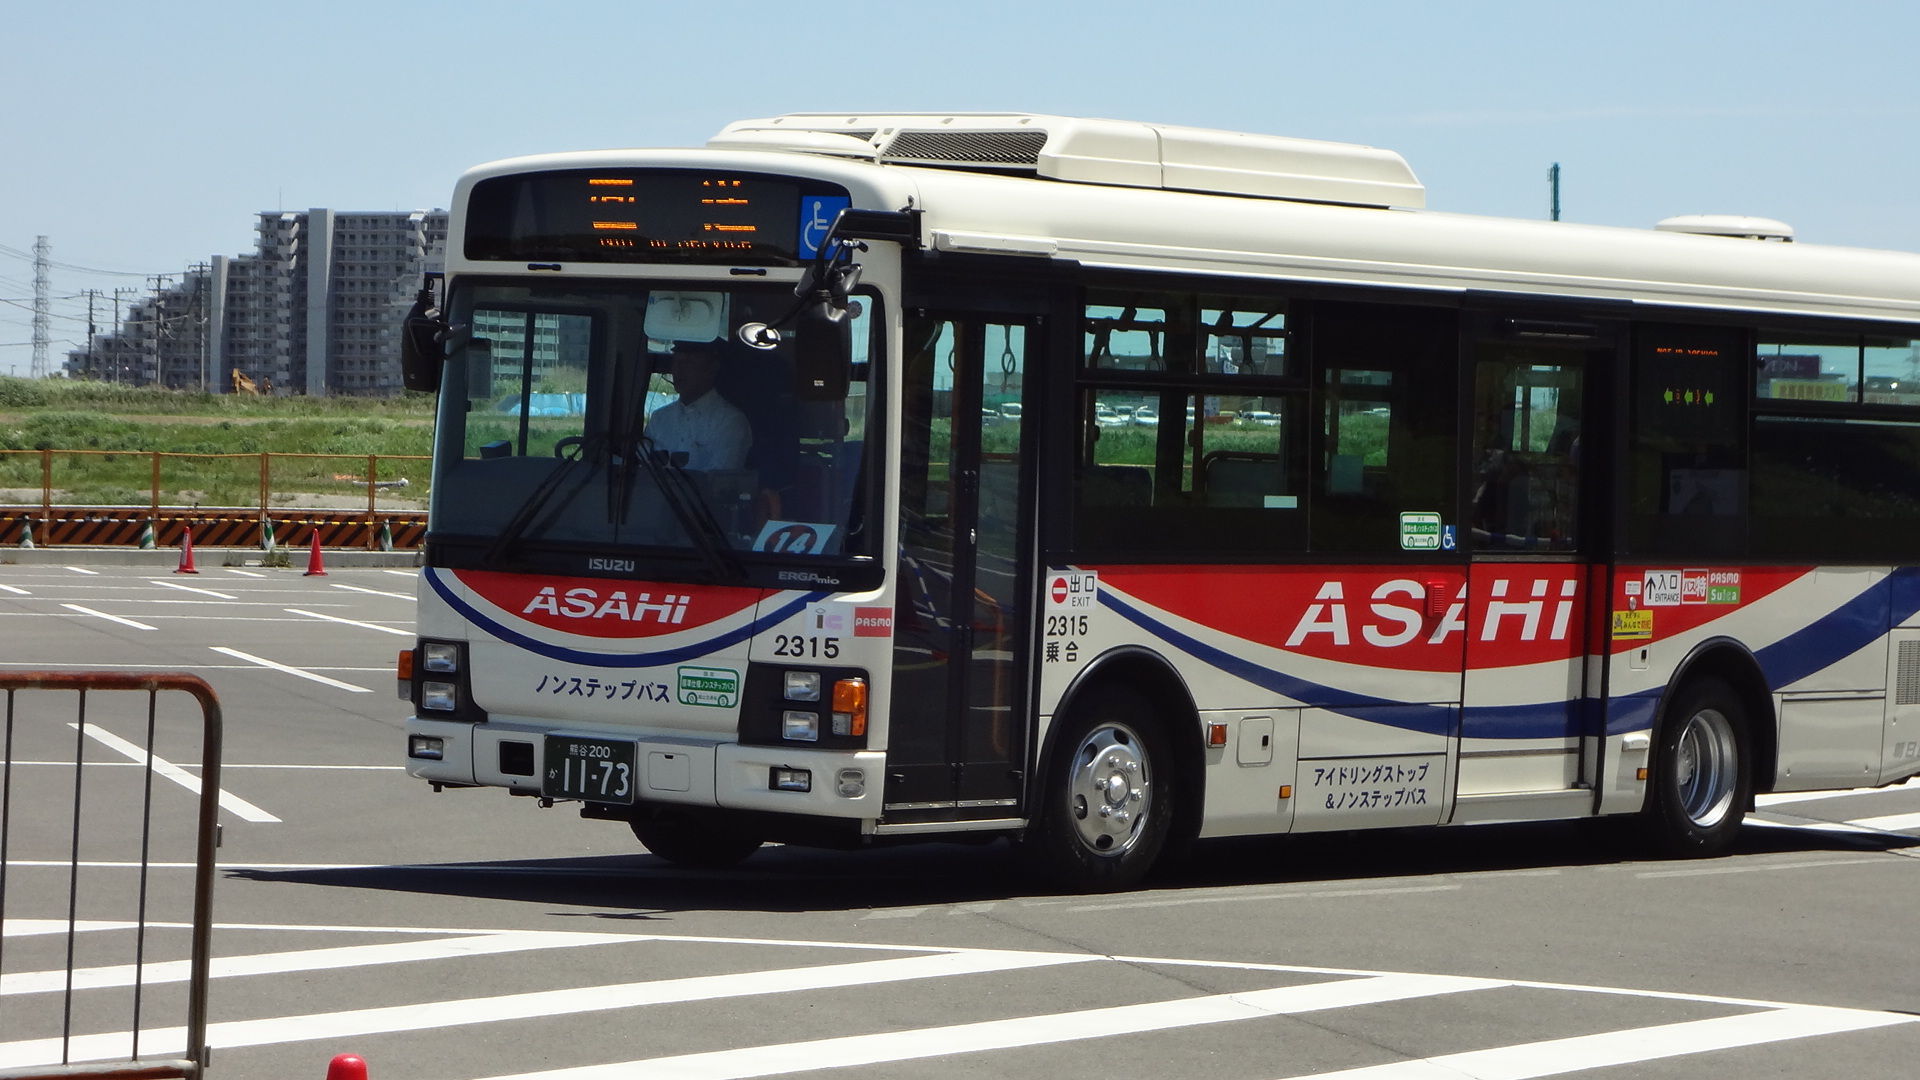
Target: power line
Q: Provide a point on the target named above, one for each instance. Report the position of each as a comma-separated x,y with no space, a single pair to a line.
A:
29,257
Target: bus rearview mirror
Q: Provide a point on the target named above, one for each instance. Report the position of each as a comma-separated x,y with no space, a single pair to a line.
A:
420,353
823,352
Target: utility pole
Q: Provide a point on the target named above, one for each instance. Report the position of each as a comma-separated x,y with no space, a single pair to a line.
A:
202,290
159,320
118,356
92,331
42,305
1553,181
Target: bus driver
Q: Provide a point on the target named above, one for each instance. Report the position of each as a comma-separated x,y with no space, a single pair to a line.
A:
701,429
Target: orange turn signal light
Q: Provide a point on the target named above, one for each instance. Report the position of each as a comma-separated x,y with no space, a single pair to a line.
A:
850,701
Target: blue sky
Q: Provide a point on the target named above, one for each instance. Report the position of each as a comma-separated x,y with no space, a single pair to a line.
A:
141,138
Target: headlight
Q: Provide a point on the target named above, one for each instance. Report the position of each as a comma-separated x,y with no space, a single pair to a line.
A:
440,656
439,696
800,726
803,686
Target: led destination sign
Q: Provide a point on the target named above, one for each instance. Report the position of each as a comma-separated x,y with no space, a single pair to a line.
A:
639,216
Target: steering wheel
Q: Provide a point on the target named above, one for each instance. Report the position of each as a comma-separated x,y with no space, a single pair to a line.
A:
569,448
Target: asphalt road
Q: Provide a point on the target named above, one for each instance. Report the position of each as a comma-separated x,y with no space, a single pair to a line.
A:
472,935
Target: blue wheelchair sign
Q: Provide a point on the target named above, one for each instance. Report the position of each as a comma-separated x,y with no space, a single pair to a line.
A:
817,213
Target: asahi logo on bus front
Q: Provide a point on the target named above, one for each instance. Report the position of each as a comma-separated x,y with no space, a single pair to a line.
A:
587,603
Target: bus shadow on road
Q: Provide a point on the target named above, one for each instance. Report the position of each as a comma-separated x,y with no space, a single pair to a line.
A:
794,879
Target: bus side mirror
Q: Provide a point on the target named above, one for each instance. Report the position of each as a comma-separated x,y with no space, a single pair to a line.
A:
823,352
421,354
423,341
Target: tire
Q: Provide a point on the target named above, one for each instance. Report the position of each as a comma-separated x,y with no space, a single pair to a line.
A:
1700,780
689,840
1108,799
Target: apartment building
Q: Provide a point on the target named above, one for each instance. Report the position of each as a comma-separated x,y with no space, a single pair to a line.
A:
315,309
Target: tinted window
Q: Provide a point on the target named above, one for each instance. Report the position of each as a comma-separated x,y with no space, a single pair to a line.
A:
1687,484
1828,488
1385,439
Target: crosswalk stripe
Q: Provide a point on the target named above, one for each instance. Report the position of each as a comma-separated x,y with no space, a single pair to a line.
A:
447,1014
895,1046
1583,1052
397,952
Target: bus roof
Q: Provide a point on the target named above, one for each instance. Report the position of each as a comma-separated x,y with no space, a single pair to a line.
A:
1113,194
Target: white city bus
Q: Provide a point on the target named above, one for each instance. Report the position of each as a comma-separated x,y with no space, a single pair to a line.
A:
1107,485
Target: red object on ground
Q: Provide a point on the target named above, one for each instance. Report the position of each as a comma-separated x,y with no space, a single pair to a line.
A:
315,568
186,553
347,1067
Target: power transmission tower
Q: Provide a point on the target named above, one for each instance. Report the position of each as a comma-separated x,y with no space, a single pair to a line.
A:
42,305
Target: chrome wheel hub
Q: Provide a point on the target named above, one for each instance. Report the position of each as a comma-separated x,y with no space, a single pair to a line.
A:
1110,789
1706,768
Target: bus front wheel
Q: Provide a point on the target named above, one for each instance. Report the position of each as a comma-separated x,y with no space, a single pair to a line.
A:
687,840
1108,800
1701,779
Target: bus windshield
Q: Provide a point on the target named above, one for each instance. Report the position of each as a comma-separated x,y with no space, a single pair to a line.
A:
605,415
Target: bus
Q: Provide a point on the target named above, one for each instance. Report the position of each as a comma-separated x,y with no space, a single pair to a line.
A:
1104,486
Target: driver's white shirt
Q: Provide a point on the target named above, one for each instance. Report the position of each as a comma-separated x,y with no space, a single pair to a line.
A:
710,431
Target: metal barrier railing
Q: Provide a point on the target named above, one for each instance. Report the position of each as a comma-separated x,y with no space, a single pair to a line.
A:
41,1042
158,478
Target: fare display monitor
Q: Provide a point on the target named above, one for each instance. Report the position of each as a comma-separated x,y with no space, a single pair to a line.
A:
648,216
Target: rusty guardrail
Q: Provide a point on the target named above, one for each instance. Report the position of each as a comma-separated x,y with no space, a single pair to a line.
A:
32,742
94,497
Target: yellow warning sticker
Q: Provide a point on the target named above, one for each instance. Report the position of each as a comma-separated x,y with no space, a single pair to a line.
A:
1633,625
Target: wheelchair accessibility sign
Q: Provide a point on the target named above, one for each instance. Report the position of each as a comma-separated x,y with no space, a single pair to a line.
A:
816,218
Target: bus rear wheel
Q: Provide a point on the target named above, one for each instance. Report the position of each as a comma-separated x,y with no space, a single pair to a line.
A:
1701,778
1108,800
690,840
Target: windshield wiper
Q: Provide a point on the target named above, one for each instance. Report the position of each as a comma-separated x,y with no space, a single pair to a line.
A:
593,451
696,518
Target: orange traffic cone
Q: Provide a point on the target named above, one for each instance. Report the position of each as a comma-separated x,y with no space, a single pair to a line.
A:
315,568
186,553
347,1067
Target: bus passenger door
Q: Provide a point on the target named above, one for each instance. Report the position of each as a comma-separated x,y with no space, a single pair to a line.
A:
1527,700
957,736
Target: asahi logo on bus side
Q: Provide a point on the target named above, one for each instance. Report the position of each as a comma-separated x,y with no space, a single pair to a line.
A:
586,603
1385,623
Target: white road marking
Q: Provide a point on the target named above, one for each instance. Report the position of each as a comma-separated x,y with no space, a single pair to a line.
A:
84,570
895,1046
265,663
110,618
43,927
1760,867
191,589
345,956
1764,801
505,1007
228,801
1265,895
243,573
1585,1052
1890,823
374,592
403,573
349,622
14,591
